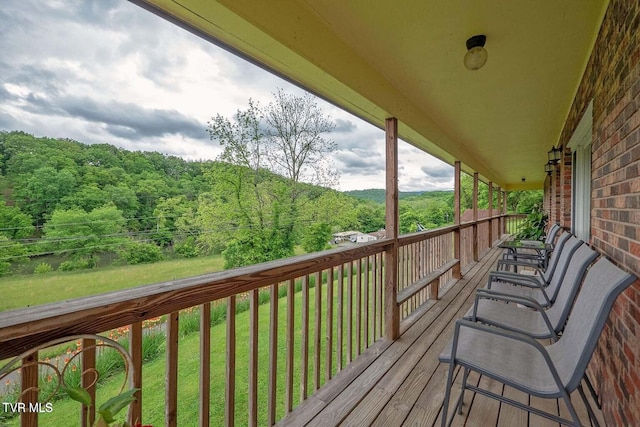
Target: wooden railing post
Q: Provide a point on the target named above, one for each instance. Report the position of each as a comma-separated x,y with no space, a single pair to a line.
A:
457,274
490,243
392,312
504,211
29,389
475,217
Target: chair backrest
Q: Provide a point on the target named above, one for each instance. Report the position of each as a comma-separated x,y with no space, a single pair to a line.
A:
553,232
567,245
555,255
571,354
578,264
564,259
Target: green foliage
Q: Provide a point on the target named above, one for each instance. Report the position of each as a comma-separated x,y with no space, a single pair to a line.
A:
77,263
43,268
11,251
316,237
140,253
14,224
533,226
186,248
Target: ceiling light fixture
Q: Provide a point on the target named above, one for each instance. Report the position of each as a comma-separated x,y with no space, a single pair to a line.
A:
476,55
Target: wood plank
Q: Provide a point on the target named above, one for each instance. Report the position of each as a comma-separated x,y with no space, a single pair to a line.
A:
350,337
88,380
367,410
171,379
288,397
340,318
254,309
205,364
392,314
230,380
29,389
425,281
304,350
510,415
485,411
135,349
366,303
317,332
328,356
273,355
358,307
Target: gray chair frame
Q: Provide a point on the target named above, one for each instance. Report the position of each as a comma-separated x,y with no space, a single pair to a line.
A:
534,257
537,321
544,287
521,362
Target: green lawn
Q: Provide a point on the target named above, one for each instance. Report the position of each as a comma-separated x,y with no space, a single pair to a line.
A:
28,290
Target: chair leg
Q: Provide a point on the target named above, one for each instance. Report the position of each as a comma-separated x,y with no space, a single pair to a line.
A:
447,394
592,390
592,415
571,409
465,376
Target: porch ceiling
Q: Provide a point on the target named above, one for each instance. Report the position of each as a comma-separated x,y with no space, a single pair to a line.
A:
378,60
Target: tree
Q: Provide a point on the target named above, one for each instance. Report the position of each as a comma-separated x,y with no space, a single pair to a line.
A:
39,192
82,233
14,223
295,130
316,237
286,139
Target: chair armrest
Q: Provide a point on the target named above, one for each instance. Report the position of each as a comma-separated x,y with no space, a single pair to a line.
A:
518,263
514,278
517,299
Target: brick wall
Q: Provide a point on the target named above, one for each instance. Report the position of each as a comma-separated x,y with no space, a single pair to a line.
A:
612,80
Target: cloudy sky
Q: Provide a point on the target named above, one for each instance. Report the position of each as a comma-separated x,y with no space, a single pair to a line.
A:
107,71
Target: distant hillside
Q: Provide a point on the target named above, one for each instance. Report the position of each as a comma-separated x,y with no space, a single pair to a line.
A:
377,195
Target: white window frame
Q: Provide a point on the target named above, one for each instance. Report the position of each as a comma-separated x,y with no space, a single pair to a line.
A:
580,145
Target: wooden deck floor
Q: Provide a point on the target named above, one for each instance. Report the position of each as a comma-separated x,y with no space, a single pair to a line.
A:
401,383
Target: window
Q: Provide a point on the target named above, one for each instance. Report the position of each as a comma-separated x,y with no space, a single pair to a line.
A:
580,145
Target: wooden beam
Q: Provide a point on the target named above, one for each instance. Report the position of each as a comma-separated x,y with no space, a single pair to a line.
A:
392,313
475,217
171,378
490,214
456,271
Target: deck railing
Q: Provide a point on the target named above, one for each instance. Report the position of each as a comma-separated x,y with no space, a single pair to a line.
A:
291,325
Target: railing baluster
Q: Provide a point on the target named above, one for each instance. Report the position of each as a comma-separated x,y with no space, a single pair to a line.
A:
88,414
317,332
328,358
29,389
135,346
340,317
230,382
381,274
359,308
374,303
366,302
253,357
273,356
304,374
350,313
171,379
288,405
205,363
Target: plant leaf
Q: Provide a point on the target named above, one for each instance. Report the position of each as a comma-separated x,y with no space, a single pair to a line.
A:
114,405
79,394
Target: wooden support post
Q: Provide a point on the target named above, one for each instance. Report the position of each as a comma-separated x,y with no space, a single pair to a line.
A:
392,313
29,389
135,349
475,217
505,195
457,274
171,378
88,413
491,237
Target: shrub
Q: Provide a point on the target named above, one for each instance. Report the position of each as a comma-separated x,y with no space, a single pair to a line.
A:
187,248
141,253
77,264
42,268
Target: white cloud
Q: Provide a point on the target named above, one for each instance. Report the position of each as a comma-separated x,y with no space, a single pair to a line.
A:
110,72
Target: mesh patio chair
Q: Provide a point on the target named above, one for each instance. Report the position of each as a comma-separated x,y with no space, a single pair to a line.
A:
542,288
535,320
519,361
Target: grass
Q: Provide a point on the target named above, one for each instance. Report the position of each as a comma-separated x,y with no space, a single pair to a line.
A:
29,290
